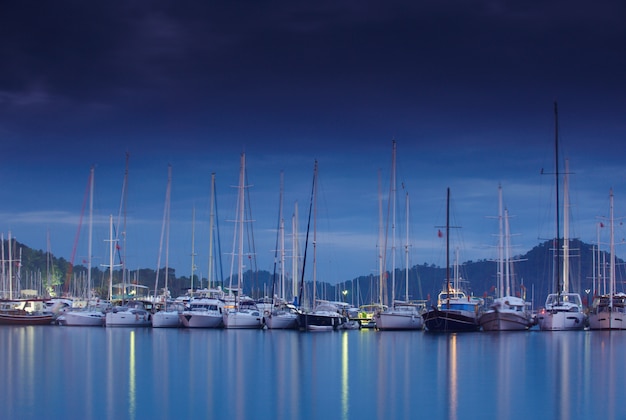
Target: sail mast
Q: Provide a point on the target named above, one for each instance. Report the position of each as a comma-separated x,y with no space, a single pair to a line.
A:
393,224
193,250
612,261
294,276
406,252
381,250
314,233
448,247
211,228
566,228
89,245
556,179
167,229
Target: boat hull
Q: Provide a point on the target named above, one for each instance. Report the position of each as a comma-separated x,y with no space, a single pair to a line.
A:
198,319
319,321
166,319
560,320
437,320
243,319
505,321
284,321
27,319
128,319
82,319
398,321
607,321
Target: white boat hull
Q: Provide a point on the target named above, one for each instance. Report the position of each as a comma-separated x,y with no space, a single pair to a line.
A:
243,319
200,319
82,319
166,319
281,321
399,321
607,321
128,319
560,320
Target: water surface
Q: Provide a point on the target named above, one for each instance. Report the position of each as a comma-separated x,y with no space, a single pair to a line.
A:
125,373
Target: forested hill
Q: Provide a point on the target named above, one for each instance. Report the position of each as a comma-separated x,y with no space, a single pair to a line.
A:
532,273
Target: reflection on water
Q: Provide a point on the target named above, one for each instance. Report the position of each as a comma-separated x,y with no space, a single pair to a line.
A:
453,390
131,377
100,373
345,389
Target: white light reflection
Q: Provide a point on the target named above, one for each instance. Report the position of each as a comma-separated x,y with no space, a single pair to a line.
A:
132,402
345,390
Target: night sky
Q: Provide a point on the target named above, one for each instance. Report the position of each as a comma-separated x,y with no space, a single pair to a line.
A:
466,88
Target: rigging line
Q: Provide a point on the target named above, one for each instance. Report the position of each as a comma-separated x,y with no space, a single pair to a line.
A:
80,223
306,241
280,211
219,243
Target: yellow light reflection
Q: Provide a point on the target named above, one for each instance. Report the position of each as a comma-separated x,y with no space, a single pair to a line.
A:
453,391
345,402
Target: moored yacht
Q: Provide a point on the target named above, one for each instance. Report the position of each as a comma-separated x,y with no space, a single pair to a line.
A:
507,313
562,311
608,311
133,314
401,316
455,311
202,313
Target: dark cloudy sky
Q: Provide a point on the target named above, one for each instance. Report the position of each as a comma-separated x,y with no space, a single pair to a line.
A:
465,87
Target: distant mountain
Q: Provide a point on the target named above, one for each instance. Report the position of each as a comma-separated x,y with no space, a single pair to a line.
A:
39,270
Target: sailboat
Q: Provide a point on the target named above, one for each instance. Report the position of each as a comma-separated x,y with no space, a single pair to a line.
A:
563,309
455,311
366,314
608,311
205,308
90,315
134,313
508,312
325,315
242,311
402,315
167,315
281,315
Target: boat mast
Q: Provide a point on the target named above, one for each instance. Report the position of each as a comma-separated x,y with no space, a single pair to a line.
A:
111,240
448,247
507,253
282,239
406,252
556,179
193,246
393,224
381,250
211,227
500,245
165,212
612,261
89,245
306,241
566,228
240,222
294,276
314,234
167,228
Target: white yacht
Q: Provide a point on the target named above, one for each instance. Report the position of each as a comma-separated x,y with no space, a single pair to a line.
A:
133,314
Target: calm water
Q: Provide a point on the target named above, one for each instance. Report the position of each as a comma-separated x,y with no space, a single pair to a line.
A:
118,373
